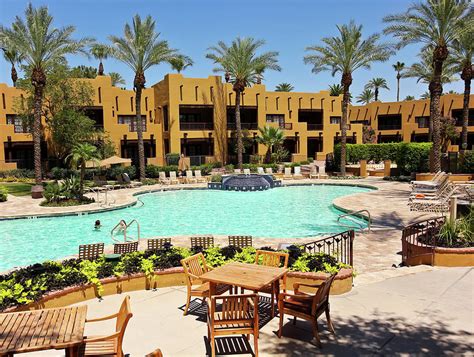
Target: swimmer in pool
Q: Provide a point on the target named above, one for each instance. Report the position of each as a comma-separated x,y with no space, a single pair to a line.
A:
97,225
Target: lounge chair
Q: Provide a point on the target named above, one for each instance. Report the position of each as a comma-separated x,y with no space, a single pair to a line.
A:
437,204
101,181
158,243
121,183
109,345
173,178
322,172
287,174
237,171
128,181
260,170
199,177
269,170
240,241
202,241
124,248
163,179
91,251
438,178
307,306
297,174
431,186
232,315
194,267
246,171
189,177
313,172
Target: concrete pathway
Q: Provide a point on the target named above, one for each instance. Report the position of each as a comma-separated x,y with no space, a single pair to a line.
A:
428,313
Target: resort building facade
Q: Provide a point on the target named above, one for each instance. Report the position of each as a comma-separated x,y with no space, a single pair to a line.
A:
195,117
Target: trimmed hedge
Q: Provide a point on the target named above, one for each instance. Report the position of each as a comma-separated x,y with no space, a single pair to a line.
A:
409,157
18,173
466,162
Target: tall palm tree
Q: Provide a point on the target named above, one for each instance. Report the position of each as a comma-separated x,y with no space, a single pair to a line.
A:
462,55
140,49
14,57
435,23
180,63
376,84
366,96
116,79
346,53
80,154
425,95
398,67
409,97
260,74
242,65
284,87
335,90
271,137
41,46
100,52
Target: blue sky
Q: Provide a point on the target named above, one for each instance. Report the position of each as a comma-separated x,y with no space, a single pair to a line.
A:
287,26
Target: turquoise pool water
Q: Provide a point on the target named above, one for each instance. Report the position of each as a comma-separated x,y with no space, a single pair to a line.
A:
298,211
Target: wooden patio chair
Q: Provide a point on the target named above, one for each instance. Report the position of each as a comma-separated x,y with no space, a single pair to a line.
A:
195,266
155,353
124,248
190,177
91,251
232,315
202,241
158,243
240,241
306,306
109,345
272,259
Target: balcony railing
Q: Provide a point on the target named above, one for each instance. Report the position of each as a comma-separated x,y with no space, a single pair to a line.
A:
248,126
315,126
390,127
196,126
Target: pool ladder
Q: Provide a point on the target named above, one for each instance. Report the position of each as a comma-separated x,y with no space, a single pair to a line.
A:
106,201
124,230
350,216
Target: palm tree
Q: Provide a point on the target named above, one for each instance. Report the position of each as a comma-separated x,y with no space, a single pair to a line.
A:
462,55
435,23
14,57
116,79
242,65
376,84
409,97
260,74
425,96
335,90
80,154
271,137
100,52
345,54
140,49
180,63
398,67
284,87
366,96
41,46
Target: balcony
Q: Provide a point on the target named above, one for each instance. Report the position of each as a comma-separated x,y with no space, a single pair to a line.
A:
248,126
315,126
394,126
196,126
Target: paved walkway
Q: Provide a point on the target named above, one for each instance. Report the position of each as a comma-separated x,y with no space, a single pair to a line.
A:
424,314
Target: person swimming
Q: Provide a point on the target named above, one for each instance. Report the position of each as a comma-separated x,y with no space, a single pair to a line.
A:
97,225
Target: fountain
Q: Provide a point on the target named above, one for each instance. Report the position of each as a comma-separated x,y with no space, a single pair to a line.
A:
242,182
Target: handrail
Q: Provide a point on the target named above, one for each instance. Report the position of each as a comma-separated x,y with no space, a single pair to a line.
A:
340,246
120,225
352,213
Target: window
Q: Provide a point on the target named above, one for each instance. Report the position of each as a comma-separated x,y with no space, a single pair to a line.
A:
131,121
423,122
335,120
21,126
165,118
390,122
277,119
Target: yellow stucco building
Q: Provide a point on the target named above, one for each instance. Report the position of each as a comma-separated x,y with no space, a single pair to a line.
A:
195,117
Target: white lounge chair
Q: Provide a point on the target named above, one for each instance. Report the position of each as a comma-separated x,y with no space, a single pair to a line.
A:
436,205
189,177
313,172
246,171
287,174
438,178
237,171
269,170
173,178
260,170
163,179
297,174
199,177
322,172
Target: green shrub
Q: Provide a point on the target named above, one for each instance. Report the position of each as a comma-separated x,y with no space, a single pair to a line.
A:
59,173
216,178
172,158
466,162
114,171
152,171
3,194
17,173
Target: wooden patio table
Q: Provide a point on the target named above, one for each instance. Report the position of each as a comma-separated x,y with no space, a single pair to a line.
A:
248,276
37,330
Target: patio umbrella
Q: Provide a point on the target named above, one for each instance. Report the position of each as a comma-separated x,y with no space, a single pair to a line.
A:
113,160
182,164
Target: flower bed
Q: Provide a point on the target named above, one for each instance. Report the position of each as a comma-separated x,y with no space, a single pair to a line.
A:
62,283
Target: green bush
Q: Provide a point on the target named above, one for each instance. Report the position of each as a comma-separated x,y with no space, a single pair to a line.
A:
114,171
152,171
3,194
172,158
216,178
60,173
466,162
18,173
409,157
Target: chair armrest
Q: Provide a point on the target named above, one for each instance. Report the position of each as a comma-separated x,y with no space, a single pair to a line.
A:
282,296
297,285
101,338
102,318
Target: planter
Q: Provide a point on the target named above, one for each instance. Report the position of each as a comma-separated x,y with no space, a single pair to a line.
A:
440,256
165,278
37,191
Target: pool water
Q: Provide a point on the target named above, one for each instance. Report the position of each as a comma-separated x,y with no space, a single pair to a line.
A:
298,211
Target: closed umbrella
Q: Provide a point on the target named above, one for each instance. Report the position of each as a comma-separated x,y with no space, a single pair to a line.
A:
182,164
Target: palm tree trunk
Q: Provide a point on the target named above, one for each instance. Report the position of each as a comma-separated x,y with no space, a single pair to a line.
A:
268,155
101,69
376,94
430,124
346,82
81,182
238,127
466,76
398,87
139,84
38,80
14,75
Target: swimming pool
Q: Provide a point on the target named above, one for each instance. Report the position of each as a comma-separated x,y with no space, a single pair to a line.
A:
295,211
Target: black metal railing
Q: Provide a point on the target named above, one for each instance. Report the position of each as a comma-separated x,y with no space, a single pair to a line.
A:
390,127
197,126
248,126
339,246
315,126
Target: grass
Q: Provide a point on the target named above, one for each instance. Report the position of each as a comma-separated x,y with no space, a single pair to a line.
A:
17,188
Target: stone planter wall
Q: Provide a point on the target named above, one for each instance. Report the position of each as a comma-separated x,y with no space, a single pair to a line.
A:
165,278
445,257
